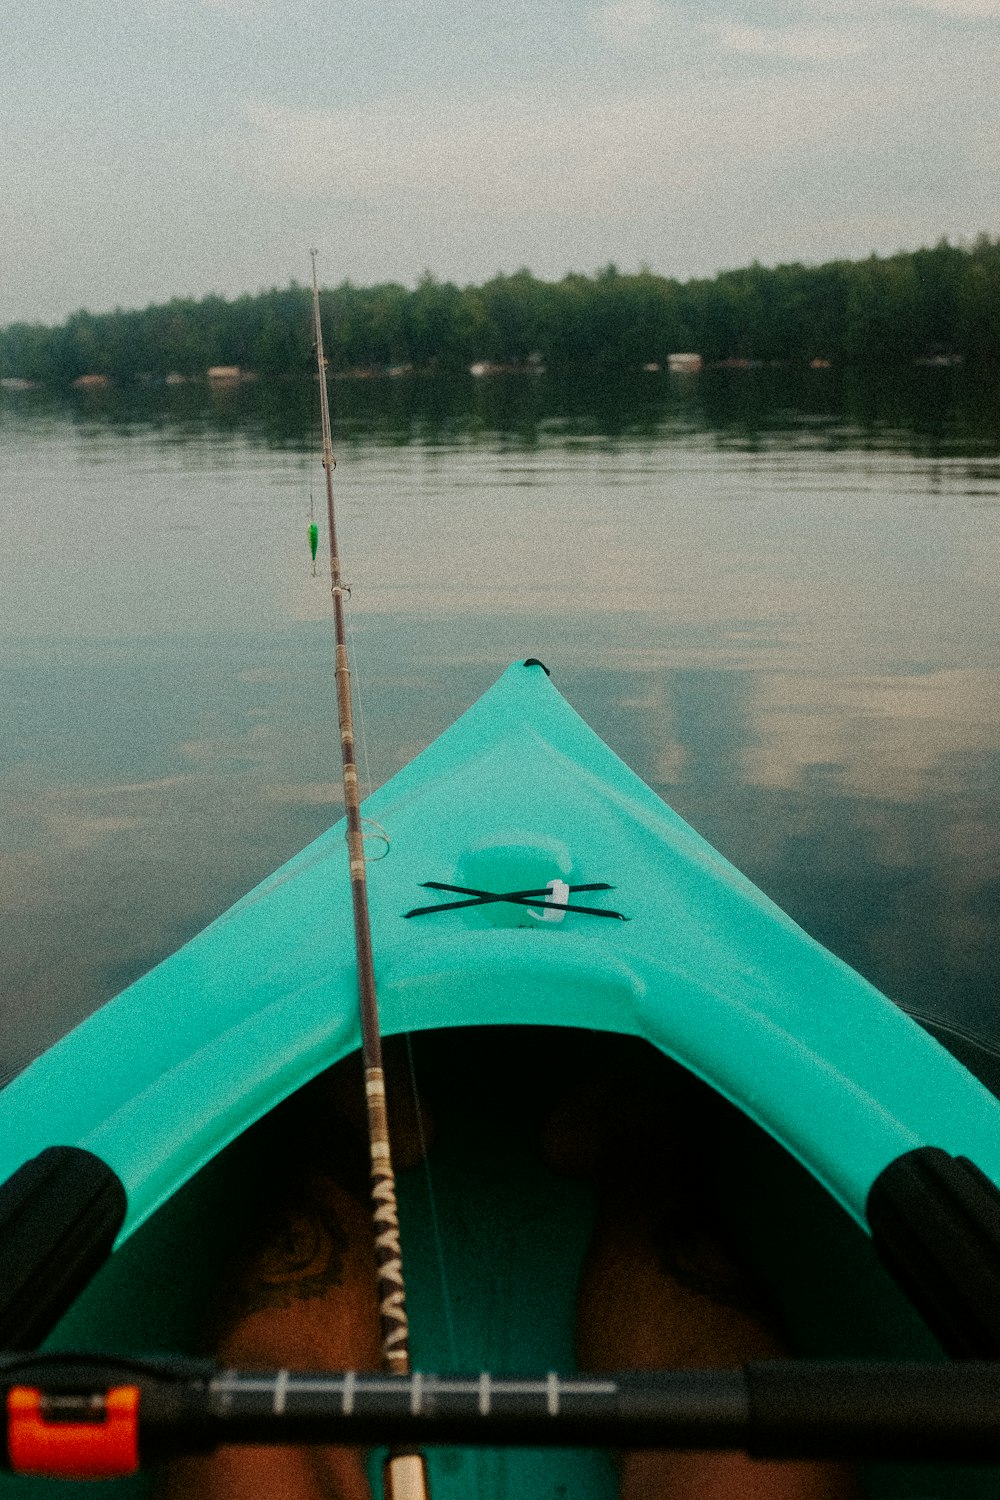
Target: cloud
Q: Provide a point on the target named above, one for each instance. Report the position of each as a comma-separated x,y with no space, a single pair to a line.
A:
630,21
649,30
963,10
243,10
794,43
525,154
535,158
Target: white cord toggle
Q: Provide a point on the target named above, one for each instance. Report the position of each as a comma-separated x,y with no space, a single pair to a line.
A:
554,902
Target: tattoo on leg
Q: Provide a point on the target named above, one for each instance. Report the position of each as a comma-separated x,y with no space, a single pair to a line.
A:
304,1260
694,1260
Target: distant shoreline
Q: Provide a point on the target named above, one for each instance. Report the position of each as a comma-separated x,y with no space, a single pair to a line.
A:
938,306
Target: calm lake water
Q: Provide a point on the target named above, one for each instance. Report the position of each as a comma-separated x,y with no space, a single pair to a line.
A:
775,597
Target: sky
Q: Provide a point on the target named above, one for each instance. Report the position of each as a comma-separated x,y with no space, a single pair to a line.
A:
160,148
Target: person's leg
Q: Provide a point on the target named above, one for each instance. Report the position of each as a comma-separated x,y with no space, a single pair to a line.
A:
302,1293
662,1290
304,1299
663,1300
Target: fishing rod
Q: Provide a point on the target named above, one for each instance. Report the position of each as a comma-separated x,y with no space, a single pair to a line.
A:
405,1472
92,1416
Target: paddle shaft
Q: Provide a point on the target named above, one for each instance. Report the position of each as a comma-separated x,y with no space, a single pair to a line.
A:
80,1415
774,1409
388,1254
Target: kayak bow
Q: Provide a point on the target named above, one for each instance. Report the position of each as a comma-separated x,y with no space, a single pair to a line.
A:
519,795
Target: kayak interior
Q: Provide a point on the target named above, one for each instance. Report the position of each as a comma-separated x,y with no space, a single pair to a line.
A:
495,1240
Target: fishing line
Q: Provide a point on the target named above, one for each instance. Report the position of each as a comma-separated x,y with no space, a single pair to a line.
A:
359,697
446,1299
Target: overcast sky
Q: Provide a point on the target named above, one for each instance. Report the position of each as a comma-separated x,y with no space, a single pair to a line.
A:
153,148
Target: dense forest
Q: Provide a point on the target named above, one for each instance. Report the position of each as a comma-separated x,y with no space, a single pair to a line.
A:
934,304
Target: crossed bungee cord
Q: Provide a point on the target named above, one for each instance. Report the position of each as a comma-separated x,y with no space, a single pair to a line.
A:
533,898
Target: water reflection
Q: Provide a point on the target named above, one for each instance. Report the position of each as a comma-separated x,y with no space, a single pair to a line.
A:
773,596
925,411
898,876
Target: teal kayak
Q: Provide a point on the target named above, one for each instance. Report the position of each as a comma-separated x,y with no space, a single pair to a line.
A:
522,877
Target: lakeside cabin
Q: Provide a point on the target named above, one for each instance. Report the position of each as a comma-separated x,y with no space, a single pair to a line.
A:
684,364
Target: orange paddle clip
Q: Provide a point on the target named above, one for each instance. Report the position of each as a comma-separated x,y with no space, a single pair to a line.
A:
37,1443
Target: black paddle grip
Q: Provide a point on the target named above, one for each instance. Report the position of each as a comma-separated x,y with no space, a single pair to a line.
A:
935,1222
918,1412
59,1216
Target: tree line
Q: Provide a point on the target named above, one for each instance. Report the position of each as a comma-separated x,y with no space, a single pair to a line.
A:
937,303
